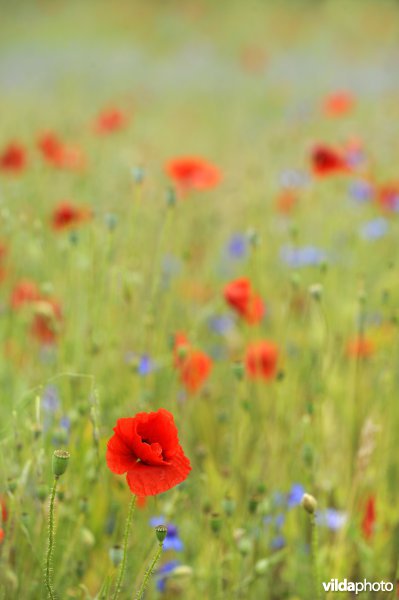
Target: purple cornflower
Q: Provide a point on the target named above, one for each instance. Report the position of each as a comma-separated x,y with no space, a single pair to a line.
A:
375,229
221,323
50,399
164,572
361,191
295,495
237,246
331,518
172,540
302,257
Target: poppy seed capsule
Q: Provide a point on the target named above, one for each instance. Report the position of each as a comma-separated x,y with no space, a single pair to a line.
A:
160,532
216,522
60,462
309,503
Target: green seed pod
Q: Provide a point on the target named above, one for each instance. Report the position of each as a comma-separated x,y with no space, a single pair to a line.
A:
262,566
160,532
116,555
60,462
216,522
245,546
309,503
229,505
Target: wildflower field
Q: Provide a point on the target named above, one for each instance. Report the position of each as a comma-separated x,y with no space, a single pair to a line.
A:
199,300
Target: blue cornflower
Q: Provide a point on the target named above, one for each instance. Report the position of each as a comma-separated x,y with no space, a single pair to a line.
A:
50,399
146,365
278,542
172,540
361,191
331,518
237,246
375,229
221,323
294,179
295,495
302,257
164,572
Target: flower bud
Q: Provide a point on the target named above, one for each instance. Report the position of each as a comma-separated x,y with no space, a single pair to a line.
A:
262,566
116,555
161,532
60,462
309,503
216,522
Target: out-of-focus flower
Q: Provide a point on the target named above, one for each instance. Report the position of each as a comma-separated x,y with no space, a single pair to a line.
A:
164,572
47,320
361,191
13,158
172,540
261,360
67,216
59,154
388,196
242,298
360,347
326,160
237,246
221,324
194,366
369,518
375,229
331,518
338,104
24,292
193,173
295,495
302,257
286,201
50,399
110,120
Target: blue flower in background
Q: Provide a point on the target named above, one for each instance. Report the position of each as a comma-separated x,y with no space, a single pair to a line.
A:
294,179
361,191
302,257
172,540
50,399
237,246
373,230
295,495
164,572
278,542
331,518
221,323
146,365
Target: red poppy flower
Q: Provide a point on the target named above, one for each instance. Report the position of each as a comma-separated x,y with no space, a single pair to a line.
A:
261,360
110,120
241,297
194,366
328,161
24,292
286,202
47,321
58,154
68,216
193,173
4,513
369,518
146,447
360,347
388,196
13,158
338,104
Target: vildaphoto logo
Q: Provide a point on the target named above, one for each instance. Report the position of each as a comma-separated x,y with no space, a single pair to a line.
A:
334,585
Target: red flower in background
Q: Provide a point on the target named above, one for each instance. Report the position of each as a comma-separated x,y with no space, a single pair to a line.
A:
4,517
58,154
68,216
193,173
388,196
360,347
110,120
242,298
326,160
13,158
338,104
25,292
286,201
261,360
146,447
47,321
194,366
369,518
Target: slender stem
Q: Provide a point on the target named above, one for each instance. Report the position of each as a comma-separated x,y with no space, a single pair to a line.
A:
50,547
315,561
122,568
149,572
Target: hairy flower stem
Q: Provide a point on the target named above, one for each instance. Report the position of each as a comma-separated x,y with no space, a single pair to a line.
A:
315,561
149,572
122,567
50,546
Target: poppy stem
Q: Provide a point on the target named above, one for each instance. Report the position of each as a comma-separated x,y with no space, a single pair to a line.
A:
149,572
122,568
315,561
50,547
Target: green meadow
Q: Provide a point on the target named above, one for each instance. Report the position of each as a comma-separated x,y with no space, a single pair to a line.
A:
243,86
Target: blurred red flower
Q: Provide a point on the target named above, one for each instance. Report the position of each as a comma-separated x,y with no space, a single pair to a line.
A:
3,519
369,518
58,154
242,298
193,173
388,196
261,360
286,201
110,120
146,447
194,366
326,160
360,347
24,292
13,158
67,216
338,104
47,320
